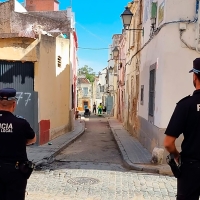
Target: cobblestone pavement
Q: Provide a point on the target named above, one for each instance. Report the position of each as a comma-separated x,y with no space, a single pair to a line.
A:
93,170
81,184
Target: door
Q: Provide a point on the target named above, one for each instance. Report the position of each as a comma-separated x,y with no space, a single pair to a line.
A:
20,76
109,104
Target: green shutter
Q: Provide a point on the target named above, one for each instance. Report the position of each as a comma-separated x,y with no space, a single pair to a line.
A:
154,10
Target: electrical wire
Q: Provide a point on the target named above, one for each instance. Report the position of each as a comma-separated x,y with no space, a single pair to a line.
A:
87,48
156,32
184,42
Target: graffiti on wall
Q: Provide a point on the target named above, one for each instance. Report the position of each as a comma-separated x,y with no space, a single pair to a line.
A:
23,95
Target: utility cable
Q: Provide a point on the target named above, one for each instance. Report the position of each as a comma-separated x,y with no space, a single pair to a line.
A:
156,32
184,42
87,48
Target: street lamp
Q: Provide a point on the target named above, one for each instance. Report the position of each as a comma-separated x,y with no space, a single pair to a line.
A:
126,19
108,89
110,70
115,52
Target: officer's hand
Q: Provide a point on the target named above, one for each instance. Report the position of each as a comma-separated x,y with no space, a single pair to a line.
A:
177,158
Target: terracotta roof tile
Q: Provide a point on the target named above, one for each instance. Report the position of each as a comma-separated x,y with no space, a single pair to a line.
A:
83,80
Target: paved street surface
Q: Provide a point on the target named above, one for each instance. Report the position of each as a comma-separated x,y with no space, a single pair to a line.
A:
91,168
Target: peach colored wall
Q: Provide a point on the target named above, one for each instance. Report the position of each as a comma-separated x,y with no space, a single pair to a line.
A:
52,84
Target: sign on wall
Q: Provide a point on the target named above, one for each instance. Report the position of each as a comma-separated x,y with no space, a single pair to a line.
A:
161,12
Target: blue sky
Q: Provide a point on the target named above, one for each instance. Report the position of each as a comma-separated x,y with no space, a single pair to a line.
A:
96,22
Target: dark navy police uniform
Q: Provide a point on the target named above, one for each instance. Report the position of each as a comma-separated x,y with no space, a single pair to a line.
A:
14,132
186,120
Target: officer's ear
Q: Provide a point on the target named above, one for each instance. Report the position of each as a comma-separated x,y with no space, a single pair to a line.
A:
194,77
14,105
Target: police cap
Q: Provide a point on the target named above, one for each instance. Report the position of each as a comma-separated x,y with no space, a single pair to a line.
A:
7,94
196,66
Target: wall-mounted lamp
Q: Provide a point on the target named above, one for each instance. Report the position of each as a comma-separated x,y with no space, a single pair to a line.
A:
126,19
115,52
110,70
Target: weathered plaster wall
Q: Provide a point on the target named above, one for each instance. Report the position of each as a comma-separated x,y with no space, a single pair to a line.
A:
26,22
5,9
23,49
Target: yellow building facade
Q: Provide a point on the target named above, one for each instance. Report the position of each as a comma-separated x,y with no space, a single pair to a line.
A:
50,57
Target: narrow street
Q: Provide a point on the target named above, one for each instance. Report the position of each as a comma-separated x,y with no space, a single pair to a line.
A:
91,168
96,149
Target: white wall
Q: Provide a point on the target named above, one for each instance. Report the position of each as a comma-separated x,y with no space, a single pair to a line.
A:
102,79
19,7
174,60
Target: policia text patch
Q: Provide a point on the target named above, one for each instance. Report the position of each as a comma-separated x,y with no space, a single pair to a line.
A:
6,128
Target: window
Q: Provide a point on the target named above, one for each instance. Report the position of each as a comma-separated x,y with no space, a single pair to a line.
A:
85,91
142,95
152,90
102,88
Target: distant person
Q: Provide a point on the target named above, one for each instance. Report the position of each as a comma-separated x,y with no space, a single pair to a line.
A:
104,109
100,108
94,108
76,113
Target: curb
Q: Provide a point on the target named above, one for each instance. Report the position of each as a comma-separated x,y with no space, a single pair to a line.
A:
50,158
125,158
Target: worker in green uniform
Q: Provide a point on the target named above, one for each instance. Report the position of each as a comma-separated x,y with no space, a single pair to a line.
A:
100,108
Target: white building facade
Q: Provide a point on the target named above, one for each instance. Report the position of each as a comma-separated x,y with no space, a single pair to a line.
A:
170,46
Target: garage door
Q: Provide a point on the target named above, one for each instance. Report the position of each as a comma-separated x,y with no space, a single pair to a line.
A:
20,76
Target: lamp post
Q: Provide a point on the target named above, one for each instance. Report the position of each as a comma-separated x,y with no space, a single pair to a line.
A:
115,52
108,91
110,70
126,19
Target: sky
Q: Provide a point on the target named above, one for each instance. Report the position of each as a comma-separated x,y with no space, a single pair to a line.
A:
96,22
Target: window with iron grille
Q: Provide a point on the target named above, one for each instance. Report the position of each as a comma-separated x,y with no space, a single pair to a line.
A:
152,92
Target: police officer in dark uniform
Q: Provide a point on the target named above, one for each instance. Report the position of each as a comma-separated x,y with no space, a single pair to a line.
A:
15,134
186,120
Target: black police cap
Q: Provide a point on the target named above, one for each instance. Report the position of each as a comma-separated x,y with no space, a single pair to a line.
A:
7,94
196,66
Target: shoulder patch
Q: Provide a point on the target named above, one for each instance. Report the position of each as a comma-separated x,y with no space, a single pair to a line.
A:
20,117
187,97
